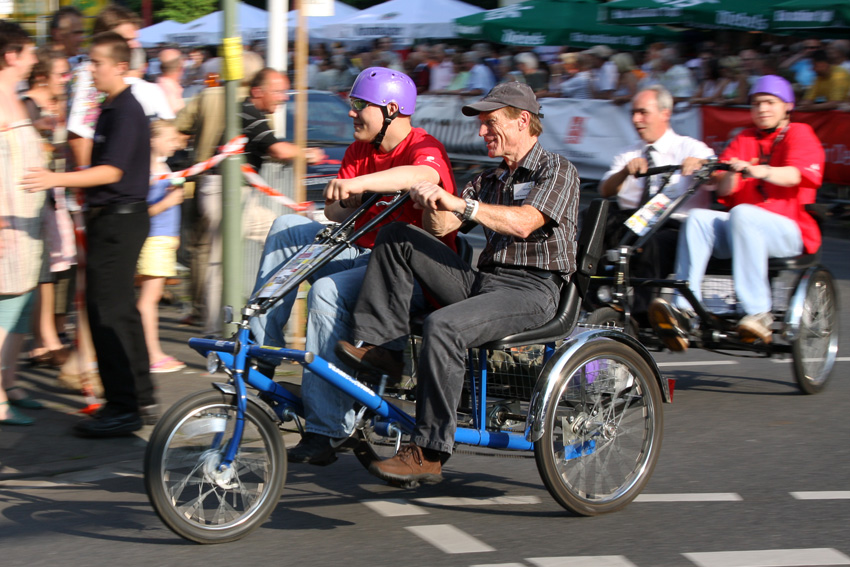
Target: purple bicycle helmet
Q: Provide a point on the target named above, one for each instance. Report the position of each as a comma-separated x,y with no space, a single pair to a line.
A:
773,85
382,86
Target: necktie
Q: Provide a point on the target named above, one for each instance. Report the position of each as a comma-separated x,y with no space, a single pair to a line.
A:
647,183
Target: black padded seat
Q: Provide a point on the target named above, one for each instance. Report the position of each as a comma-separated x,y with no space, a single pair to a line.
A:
589,251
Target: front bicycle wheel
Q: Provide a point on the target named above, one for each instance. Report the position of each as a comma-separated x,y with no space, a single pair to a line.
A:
816,347
603,429
188,489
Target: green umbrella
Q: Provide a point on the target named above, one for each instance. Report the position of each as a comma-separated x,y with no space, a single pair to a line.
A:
812,15
553,22
752,15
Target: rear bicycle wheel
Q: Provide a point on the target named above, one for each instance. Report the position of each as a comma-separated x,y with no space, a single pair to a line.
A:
816,347
603,429
185,485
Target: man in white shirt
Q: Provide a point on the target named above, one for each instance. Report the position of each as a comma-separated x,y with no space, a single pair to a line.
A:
659,145
481,78
150,95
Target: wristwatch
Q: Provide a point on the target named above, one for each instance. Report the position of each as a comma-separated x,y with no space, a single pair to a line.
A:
469,211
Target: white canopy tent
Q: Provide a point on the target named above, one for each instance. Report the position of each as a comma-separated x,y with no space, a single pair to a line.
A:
403,20
253,24
153,35
341,12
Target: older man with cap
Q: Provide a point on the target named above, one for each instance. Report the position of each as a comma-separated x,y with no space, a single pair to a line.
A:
527,206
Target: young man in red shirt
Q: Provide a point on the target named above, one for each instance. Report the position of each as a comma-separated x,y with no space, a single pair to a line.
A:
777,167
387,155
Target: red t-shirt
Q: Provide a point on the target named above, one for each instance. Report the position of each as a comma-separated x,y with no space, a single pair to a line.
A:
800,148
418,148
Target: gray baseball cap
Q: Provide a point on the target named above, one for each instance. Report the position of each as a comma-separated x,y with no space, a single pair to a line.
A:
513,93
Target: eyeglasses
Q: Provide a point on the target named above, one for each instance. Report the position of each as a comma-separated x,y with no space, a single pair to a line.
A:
358,104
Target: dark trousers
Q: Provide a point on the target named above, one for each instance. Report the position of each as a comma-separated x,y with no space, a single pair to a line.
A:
114,243
656,259
478,307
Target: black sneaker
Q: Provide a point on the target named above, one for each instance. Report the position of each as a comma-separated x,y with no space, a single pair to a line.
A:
313,449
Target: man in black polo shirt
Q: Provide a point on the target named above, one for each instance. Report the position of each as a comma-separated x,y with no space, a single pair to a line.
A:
268,89
117,224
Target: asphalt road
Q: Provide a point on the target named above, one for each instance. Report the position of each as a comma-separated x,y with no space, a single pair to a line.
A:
752,473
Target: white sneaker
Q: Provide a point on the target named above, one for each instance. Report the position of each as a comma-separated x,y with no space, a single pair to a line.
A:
756,327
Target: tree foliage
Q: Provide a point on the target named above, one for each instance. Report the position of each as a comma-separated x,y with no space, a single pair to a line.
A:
186,10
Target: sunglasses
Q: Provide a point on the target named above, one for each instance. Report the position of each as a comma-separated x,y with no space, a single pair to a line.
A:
358,104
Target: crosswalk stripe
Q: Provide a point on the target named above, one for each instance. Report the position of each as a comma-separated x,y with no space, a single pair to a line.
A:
464,502
691,497
582,561
395,507
449,539
769,558
699,363
822,495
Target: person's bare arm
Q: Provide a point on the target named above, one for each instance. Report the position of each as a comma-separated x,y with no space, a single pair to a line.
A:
40,179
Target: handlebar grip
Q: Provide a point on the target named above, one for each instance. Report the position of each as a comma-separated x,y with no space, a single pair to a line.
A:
659,170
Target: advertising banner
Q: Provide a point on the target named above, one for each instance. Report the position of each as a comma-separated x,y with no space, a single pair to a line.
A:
587,132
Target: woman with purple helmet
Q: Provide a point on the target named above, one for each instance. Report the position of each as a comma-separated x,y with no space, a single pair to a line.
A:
776,169
388,155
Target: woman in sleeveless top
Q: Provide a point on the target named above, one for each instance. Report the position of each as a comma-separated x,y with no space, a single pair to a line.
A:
46,104
20,218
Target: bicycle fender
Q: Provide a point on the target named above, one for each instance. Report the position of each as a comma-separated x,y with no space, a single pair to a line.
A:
544,388
230,390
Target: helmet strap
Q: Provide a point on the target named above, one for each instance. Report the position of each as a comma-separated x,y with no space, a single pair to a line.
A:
388,118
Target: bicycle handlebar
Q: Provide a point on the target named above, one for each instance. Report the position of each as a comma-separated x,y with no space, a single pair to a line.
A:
710,167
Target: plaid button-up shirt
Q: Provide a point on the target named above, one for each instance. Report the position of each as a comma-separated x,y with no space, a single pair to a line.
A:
550,184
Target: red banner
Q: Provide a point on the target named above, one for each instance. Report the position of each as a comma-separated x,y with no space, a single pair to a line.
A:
719,125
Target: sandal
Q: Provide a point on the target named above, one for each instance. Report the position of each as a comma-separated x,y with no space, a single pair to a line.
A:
167,364
15,418
26,402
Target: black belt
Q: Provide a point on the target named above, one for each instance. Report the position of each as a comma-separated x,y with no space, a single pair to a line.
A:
546,275
117,209
557,278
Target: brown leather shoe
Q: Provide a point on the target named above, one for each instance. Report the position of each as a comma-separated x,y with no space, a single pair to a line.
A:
371,357
409,465
669,324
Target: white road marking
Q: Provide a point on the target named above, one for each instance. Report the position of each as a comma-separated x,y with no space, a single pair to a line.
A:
463,502
770,558
822,495
499,565
789,360
450,539
691,497
395,507
699,363
582,561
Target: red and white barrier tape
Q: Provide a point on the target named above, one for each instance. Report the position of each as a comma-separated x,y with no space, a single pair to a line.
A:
233,147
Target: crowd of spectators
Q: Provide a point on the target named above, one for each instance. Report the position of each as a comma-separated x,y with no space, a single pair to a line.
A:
704,73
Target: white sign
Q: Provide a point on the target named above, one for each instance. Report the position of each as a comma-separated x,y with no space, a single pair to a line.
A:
313,8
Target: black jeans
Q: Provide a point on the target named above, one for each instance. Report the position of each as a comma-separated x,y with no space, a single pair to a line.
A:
114,243
478,307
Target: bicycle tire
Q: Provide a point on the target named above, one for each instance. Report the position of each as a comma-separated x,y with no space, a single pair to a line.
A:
184,452
603,430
